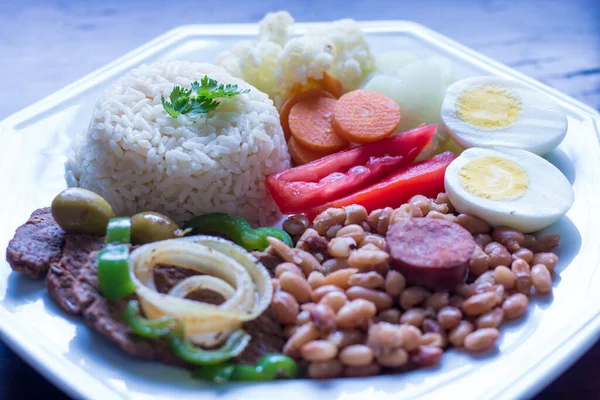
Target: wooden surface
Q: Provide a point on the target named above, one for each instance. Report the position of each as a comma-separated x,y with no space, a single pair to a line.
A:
46,44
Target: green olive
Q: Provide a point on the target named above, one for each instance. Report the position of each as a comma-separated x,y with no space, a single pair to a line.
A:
147,227
79,210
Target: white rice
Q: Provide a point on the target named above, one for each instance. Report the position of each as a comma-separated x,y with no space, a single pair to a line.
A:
140,159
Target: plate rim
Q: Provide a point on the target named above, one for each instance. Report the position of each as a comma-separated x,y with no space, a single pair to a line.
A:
83,385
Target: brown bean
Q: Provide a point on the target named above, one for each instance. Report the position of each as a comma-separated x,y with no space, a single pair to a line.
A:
379,219
375,240
479,303
391,315
487,276
427,355
524,254
522,274
296,224
289,330
341,246
318,350
383,337
548,259
369,280
395,358
405,211
515,306
478,263
473,224
315,279
340,277
309,236
355,214
456,301
303,334
332,231
439,215
329,218
497,255
481,339
285,307
482,287
411,337
433,339
491,319
321,291
504,276
382,300
437,300
413,316
334,300
422,202
363,370
464,290
541,278
545,244
510,238
457,335
449,317
365,260
355,313
482,240
335,264
288,267
295,285
529,241
356,355
346,338
275,284
302,317
325,369
413,296
395,283
431,325
323,318
353,231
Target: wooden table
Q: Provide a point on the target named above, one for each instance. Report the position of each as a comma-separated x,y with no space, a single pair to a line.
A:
45,44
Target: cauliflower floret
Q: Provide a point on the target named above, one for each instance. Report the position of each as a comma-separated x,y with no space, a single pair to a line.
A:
276,63
276,27
340,49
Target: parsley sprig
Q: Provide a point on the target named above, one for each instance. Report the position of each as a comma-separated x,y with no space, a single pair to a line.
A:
200,99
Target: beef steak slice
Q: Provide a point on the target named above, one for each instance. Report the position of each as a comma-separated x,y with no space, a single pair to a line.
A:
36,245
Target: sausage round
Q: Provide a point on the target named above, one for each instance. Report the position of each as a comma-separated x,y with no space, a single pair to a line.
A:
430,252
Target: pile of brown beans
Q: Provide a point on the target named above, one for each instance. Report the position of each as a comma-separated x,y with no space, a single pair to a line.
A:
347,313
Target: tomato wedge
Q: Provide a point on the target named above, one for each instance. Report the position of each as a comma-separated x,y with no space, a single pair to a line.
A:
425,177
329,178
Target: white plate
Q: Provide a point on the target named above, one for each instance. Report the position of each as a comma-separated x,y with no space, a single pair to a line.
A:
530,353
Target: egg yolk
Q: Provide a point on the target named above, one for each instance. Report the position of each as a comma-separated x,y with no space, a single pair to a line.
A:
488,106
494,178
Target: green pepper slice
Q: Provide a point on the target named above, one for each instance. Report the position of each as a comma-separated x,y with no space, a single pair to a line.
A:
149,328
267,368
237,230
118,230
113,272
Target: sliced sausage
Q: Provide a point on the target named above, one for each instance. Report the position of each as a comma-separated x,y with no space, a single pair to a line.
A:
430,252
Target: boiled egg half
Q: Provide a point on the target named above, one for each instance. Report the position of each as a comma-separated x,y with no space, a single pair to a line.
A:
508,186
488,111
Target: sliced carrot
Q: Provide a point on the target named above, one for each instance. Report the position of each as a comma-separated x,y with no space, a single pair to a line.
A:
284,111
364,116
311,125
332,85
303,155
299,88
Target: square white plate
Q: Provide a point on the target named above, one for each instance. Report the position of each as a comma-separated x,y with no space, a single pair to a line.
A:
531,352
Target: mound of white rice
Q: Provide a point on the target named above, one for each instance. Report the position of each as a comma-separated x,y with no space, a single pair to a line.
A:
141,159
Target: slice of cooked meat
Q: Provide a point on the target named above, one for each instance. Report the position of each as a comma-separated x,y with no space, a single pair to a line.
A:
73,284
36,245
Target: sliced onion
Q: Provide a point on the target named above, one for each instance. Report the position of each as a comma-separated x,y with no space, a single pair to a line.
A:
231,271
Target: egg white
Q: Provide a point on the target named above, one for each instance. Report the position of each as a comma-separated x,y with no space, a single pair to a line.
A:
548,197
540,127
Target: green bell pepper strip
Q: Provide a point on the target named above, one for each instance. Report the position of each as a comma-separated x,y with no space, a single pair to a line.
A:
237,229
185,350
148,328
267,368
113,272
118,230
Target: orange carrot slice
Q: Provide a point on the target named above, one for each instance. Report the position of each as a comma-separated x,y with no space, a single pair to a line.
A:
311,125
284,111
364,116
303,155
332,85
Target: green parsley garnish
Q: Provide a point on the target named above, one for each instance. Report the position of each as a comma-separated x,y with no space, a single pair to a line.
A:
200,99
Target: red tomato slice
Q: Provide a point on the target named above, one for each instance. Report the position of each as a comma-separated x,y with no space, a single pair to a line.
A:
329,178
425,177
